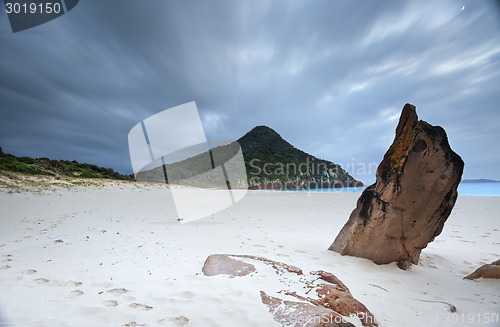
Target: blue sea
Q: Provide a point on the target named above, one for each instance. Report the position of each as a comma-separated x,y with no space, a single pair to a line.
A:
481,189
478,189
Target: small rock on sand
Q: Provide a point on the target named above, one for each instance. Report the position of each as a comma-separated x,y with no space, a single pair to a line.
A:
222,264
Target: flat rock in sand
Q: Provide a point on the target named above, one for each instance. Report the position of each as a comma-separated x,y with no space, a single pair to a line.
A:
332,304
222,264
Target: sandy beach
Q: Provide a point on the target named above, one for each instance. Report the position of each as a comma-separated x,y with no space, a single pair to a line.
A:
115,255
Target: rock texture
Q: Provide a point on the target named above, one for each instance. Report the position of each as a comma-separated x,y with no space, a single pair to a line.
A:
222,264
324,299
300,314
414,193
336,296
486,271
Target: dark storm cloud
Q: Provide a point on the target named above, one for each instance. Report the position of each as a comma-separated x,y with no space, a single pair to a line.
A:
330,76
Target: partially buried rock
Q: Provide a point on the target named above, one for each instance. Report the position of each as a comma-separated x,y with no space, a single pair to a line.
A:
326,303
222,264
336,296
486,271
414,193
300,314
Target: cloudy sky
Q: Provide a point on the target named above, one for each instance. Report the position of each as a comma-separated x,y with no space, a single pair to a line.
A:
330,76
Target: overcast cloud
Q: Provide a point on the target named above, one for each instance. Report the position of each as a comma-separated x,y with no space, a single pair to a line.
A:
330,76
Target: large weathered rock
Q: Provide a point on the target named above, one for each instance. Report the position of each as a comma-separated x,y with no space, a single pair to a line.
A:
414,193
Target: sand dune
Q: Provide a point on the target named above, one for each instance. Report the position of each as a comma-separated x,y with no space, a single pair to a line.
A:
115,255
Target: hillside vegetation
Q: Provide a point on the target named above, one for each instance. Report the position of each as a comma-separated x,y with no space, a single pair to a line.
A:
48,167
272,162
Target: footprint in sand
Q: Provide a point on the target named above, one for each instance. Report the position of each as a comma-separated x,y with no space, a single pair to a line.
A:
76,293
30,271
110,303
41,281
133,324
73,283
5,267
178,321
139,306
118,291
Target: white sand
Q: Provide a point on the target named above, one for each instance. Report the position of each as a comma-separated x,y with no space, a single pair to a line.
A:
123,259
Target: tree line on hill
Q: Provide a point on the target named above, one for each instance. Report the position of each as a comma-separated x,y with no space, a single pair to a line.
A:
50,167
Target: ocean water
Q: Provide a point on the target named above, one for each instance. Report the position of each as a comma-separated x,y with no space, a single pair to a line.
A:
478,189
330,190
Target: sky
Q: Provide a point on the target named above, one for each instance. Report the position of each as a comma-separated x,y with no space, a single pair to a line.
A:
331,76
